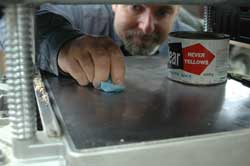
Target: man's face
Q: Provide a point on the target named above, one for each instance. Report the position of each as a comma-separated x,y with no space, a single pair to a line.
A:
142,28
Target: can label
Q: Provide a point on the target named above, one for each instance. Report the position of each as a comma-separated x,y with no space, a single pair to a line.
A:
197,61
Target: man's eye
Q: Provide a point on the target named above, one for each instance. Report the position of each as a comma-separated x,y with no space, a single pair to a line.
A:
137,8
163,13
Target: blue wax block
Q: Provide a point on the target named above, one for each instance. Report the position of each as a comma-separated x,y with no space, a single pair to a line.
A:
108,86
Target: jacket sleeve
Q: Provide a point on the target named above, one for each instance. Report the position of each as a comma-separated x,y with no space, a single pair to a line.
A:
52,32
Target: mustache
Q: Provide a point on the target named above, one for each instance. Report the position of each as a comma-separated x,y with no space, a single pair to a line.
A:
155,37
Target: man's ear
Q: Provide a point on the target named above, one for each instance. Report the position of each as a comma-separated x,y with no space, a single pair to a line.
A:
177,9
114,8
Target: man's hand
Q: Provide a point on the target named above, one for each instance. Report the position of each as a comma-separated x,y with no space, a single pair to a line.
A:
92,60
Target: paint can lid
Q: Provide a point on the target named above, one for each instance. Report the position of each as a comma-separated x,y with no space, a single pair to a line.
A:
199,35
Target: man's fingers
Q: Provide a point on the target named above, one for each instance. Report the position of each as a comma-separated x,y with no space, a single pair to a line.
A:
117,66
77,73
87,65
90,59
101,61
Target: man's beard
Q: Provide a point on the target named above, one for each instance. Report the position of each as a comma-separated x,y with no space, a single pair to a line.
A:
147,46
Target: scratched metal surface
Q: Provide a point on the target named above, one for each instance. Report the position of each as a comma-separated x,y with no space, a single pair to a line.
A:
151,108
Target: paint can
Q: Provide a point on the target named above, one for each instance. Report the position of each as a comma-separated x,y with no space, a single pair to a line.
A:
199,58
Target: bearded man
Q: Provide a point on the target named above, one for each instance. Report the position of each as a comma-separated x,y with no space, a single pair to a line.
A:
89,42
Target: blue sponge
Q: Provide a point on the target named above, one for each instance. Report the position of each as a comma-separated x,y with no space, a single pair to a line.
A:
108,86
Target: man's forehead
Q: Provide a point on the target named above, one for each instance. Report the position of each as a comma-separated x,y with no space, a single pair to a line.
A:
159,6
154,5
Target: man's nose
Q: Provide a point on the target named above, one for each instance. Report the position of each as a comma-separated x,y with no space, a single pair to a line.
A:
147,23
